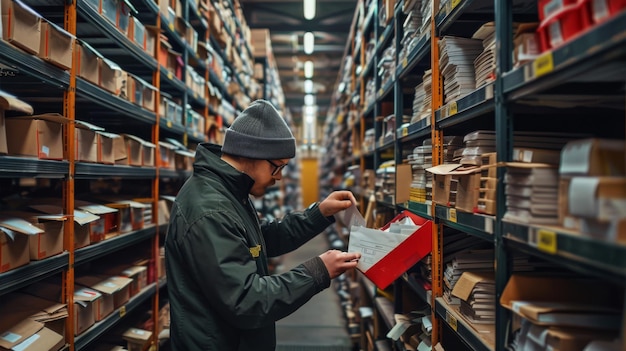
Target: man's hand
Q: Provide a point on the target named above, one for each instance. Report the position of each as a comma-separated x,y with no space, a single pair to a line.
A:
336,201
337,262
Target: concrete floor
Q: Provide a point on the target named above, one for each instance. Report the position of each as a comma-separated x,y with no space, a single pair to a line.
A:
319,325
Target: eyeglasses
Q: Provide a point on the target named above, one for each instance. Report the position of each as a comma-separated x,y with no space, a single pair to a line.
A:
277,168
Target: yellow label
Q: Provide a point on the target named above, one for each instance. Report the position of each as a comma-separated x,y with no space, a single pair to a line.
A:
122,311
453,109
405,62
255,251
543,64
382,36
185,139
169,124
170,75
171,26
452,215
405,131
451,321
546,241
380,92
455,3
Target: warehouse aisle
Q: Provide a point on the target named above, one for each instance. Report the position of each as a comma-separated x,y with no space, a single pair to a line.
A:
319,325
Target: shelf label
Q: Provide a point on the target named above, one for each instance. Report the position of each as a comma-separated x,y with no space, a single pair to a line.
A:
382,36
405,131
455,3
429,210
405,63
170,75
546,241
451,320
453,109
169,124
122,311
489,225
544,64
185,139
171,26
452,215
380,92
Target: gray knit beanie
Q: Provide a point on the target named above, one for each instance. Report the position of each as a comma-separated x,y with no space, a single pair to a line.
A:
260,133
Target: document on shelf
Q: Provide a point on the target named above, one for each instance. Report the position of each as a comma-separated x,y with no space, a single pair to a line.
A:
373,244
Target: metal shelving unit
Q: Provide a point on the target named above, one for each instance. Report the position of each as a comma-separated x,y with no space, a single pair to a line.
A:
109,246
32,272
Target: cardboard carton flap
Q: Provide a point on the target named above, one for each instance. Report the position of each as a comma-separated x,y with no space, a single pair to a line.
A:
167,145
168,198
135,138
88,126
80,217
468,280
529,165
134,204
131,271
19,332
11,103
185,153
452,169
106,285
176,143
27,8
85,294
20,225
61,30
50,117
108,135
98,209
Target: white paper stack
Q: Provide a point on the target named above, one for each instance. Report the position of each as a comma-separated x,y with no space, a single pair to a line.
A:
427,82
456,63
477,292
531,193
418,103
485,63
420,159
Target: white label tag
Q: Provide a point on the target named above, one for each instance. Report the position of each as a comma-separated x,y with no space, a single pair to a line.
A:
26,343
10,337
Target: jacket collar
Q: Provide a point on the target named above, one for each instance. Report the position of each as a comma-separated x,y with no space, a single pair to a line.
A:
208,161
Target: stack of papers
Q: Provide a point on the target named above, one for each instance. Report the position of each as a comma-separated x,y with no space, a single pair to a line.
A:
418,103
485,63
421,183
531,193
457,65
385,183
426,108
477,292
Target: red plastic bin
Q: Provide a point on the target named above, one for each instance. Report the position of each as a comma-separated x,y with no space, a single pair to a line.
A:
562,26
601,10
549,7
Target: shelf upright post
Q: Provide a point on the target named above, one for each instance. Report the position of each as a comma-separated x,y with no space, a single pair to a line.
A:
69,105
156,81
504,147
377,86
437,148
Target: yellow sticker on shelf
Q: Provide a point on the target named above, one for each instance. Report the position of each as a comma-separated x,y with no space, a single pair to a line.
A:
453,109
170,75
380,92
452,215
544,64
451,320
382,36
455,3
169,124
122,311
171,26
546,241
405,131
405,62
185,139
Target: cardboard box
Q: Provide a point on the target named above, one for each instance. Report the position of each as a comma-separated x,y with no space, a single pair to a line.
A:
106,154
82,219
594,157
136,338
29,336
120,153
39,136
88,63
14,242
137,33
86,141
115,290
468,191
167,152
131,214
403,256
106,224
86,304
50,242
110,76
152,33
139,276
56,45
21,26
600,198
10,103
134,150
443,178
184,160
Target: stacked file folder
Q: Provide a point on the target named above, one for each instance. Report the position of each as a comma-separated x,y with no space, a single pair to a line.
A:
477,292
485,63
531,193
456,63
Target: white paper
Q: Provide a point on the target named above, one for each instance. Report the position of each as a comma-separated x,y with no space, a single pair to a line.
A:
373,245
351,217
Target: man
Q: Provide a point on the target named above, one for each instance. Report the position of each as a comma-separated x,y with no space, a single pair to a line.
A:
221,294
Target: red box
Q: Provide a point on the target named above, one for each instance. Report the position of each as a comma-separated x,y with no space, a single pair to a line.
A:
549,7
562,26
403,256
601,10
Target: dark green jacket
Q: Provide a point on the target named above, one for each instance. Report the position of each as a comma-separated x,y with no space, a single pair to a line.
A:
222,297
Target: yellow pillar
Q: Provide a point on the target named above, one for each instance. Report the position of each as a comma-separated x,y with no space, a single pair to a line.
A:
309,181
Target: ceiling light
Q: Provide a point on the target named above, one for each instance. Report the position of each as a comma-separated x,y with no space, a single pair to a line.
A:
308,69
309,9
308,86
309,99
309,42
